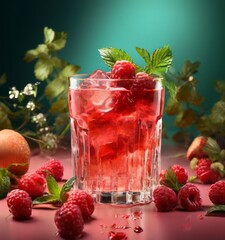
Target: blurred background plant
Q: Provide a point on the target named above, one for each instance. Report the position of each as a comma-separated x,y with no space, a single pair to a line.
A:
39,111
186,106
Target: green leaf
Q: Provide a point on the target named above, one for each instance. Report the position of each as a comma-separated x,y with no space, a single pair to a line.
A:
170,180
161,61
188,70
186,118
49,35
53,187
220,86
45,199
173,107
4,183
40,51
55,40
187,93
111,55
59,84
67,187
4,120
43,68
144,54
217,210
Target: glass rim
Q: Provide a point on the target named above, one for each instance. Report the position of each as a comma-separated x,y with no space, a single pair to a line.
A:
75,80
86,76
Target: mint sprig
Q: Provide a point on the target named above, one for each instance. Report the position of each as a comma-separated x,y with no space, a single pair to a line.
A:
56,194
156,63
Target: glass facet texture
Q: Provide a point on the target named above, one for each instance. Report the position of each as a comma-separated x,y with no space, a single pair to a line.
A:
116,130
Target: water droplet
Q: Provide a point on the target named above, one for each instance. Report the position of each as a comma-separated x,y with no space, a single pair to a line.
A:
138,229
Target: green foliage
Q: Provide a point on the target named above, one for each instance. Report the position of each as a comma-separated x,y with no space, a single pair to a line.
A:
56,195
157,63
186,105
40,111
4,182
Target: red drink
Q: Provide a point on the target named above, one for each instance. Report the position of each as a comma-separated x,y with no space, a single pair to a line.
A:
116,137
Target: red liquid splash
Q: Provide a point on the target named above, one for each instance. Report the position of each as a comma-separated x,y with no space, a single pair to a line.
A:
117,236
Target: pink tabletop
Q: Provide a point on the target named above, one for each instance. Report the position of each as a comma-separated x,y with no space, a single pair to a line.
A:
175,225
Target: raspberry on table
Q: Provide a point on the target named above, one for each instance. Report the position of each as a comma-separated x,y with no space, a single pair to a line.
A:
205,173
165,198
33,183
174,177
123,69
189,197
84,200
20,204
69,221
181,173
53,168
217,193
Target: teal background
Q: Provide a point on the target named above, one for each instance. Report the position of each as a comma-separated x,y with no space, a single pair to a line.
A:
193,28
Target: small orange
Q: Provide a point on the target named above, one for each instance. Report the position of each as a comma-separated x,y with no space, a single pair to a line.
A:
14,152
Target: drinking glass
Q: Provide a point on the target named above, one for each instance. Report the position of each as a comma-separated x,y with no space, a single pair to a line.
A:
116,127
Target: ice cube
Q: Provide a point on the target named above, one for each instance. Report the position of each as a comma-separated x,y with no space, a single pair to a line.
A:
99,74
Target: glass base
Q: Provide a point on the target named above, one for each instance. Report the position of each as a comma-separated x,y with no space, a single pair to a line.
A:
122,198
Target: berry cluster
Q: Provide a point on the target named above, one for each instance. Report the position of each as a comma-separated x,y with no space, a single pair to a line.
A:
77,209
29,187
207,159
175,190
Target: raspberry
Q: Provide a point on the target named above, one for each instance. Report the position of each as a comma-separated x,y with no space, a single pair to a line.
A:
123,70
181,173
68,219
217,193
20,204
189,197
165,199
33,183
53,168
84,201
143,81
173,177
205,173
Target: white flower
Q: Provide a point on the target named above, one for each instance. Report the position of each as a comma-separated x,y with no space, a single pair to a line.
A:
29,90
40,119
31,105
50,140
13,93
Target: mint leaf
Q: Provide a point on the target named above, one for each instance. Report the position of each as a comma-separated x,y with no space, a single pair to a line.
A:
216,210
170,180
161,60
188,70
144,54
111,55
67,187
4,183
53,186
45,199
